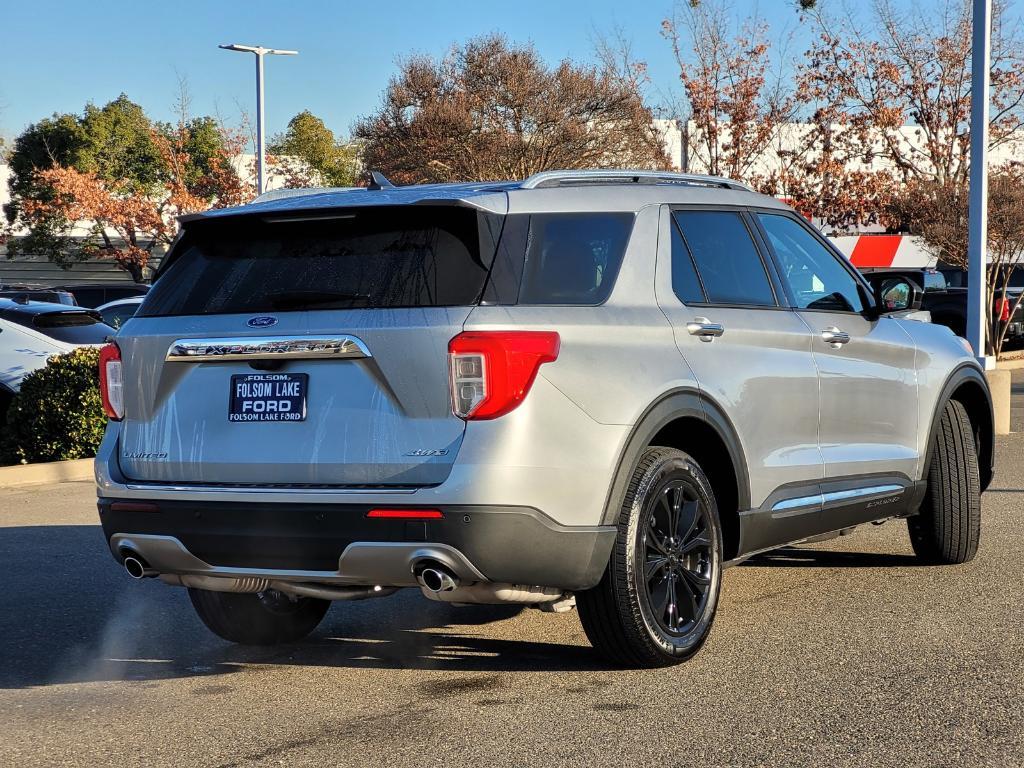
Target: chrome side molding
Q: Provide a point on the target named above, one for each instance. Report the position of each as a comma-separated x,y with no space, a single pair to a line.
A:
818,501
266,348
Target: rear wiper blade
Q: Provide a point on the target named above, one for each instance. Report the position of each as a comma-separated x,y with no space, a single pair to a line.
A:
300,299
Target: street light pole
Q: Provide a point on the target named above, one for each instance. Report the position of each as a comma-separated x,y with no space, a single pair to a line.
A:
977,235
261,152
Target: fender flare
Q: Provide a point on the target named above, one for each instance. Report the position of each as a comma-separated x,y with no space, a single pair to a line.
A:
677,404
966,372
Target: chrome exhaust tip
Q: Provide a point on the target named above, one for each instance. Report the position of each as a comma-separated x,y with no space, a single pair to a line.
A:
136,567
437,579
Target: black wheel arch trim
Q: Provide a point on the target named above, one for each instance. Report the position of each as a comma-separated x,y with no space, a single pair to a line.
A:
673,405
985,431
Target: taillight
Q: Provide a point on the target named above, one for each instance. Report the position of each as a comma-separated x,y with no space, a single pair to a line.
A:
112,382
1003,307
492,371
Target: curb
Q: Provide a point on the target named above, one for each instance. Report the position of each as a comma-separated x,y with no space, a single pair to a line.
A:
48,472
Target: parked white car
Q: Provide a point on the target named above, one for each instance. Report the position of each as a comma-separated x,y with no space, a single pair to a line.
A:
23,350
31,332
116,313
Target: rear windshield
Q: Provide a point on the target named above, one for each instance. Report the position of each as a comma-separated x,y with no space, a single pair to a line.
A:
413,256
73,327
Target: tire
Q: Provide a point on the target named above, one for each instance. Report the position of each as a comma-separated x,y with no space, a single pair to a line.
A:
947,527
631,620
264,618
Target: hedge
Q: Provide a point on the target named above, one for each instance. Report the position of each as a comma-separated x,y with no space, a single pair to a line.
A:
58,414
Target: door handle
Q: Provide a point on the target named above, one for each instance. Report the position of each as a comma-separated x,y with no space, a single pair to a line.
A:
834,337
704,329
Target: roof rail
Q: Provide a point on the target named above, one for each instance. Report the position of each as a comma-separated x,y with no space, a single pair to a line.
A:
616,176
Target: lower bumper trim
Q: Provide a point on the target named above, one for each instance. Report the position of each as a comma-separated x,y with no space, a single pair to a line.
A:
338,544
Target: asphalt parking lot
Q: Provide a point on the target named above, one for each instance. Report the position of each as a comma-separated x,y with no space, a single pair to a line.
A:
842,653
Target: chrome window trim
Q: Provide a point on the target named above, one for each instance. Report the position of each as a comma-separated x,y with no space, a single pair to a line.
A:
266,348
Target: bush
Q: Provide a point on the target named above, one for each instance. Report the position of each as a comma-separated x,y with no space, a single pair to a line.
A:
58,413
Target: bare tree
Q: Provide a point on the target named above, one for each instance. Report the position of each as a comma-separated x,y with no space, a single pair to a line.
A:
869,82
938,212
493,110
736,112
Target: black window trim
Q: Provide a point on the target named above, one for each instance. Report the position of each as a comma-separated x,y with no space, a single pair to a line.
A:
868,293
774,282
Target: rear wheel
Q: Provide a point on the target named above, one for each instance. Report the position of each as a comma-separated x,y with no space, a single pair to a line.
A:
656,601
263,618
948,526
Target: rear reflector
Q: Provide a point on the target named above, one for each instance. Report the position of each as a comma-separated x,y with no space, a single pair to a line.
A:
406,514
133,506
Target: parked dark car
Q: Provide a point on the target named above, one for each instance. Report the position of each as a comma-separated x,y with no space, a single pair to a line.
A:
93,295
945,296
72,325
34,293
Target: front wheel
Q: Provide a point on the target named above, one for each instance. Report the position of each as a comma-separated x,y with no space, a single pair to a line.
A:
263,618
948,525
657,599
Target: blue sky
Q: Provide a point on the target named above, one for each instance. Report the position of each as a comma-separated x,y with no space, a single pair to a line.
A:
56,56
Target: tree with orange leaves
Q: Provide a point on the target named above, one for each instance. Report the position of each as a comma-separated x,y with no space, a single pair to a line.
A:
733,111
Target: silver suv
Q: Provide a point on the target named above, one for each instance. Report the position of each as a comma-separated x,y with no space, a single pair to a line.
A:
597,388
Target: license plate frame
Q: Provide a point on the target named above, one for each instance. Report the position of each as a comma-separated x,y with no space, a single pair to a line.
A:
259,398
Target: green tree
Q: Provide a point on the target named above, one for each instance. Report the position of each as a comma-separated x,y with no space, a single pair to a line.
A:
309,140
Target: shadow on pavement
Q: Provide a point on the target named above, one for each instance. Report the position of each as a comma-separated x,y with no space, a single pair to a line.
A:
70,614
797,557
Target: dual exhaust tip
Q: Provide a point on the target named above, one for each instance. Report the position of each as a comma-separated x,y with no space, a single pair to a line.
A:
135,565
436,578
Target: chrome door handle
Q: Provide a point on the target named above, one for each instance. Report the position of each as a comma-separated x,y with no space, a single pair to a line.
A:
704,329
834,337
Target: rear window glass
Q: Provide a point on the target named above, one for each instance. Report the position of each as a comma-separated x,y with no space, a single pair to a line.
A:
413,256
573,258
73,327
934,281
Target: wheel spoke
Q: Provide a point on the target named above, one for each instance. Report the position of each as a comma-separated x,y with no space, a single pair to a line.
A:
697,579
672,610
700,541
691,517
691,598
660,596
654,564
675,499
653,541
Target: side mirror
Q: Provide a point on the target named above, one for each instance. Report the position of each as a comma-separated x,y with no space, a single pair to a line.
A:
898,294
893,293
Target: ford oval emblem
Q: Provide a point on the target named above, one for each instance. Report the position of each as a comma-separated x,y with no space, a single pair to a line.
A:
261,322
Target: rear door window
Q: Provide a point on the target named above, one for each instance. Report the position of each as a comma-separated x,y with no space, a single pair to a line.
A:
685,283
730,267
409,256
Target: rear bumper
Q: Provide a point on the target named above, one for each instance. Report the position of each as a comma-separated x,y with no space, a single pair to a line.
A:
337,543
